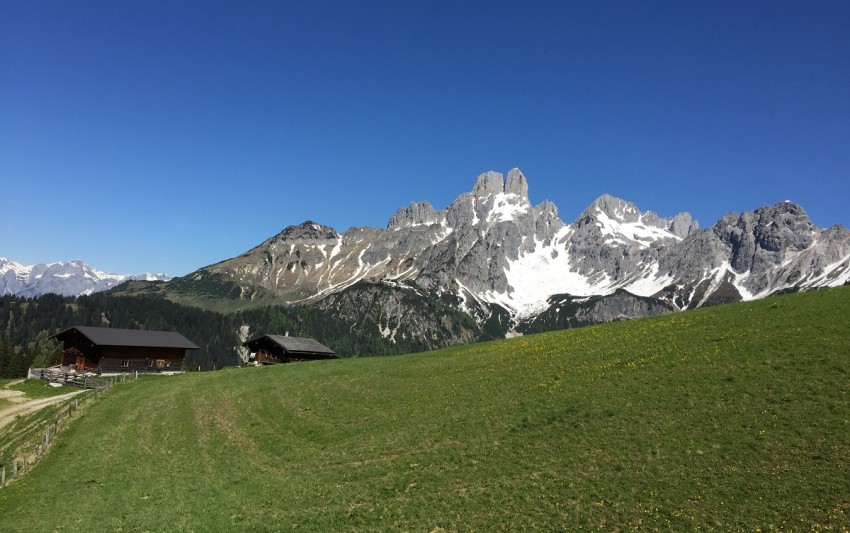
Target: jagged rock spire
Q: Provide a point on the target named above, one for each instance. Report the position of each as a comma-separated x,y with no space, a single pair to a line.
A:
683,225
516,183
492,182
488,183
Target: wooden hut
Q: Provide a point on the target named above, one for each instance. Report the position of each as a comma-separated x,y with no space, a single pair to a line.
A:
273,349
110,350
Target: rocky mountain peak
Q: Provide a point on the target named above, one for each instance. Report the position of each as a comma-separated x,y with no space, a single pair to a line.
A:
615,208
770,229
516,183
786,214
488,183
546,209
491,182
8,264
415,214
622,211
308,231
785,221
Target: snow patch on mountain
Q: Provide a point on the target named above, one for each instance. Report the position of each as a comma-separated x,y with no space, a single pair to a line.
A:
539,274
626,232
507,206
649,282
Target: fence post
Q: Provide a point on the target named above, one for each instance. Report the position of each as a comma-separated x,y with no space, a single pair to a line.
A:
76,404
15,469
26,464
47,437
3,477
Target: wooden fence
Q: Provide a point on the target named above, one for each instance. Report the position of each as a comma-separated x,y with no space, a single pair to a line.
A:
22,464
76,379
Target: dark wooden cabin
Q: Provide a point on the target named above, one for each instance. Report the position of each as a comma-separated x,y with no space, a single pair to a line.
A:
273,349
90,349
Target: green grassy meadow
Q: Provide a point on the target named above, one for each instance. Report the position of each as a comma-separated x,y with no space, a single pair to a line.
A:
730,418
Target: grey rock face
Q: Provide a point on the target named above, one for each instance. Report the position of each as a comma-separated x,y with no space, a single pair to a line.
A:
769,249
612,238
398,313
414,214
546,223
461,212
758,238
613,207
489,183
516,183
620,306
565,311
682,225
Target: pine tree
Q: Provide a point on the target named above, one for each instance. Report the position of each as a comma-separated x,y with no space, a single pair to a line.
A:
5,359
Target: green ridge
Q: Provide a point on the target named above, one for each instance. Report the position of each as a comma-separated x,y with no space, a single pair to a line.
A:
730,418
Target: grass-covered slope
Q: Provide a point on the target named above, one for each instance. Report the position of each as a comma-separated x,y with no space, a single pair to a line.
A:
730,418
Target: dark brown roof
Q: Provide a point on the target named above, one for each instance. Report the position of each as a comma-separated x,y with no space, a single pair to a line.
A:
294,344
129,337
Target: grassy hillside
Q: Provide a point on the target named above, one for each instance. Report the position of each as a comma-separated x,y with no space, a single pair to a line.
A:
730,418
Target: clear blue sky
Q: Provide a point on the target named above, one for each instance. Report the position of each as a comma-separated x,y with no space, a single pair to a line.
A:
165,136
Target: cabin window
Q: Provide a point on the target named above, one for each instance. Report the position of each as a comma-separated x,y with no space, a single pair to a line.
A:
125,364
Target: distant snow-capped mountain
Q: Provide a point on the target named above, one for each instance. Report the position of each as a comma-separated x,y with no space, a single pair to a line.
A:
66,278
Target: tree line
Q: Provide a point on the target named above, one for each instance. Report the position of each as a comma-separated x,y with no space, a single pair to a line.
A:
27,323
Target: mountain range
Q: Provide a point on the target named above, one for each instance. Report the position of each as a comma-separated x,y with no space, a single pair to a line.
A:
511,267
66,278
515,267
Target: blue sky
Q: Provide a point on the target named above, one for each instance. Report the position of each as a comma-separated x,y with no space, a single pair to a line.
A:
166,136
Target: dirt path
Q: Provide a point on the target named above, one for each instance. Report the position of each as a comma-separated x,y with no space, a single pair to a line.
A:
15,396
24,407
